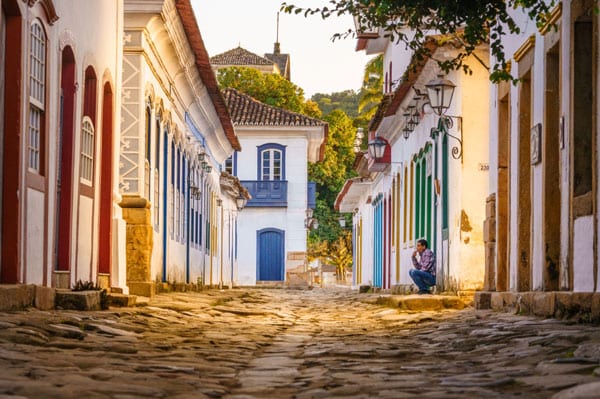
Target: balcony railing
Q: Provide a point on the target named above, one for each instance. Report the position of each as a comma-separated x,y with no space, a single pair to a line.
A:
311,200
266,193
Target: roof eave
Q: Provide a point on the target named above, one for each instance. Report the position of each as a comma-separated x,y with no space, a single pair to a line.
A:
192,32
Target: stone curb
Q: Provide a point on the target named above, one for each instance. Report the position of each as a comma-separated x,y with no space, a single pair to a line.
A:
23,296
584,306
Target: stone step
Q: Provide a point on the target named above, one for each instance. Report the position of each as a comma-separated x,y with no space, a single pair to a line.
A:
121,300
78,300
422,302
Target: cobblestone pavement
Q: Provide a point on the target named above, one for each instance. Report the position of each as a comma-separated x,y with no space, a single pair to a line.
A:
274,343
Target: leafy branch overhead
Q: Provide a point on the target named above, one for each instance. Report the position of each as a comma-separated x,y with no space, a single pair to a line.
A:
470,23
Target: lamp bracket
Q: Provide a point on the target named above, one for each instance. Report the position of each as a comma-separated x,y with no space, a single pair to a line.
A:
445,123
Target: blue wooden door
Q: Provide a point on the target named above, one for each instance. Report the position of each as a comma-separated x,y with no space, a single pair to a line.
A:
270,254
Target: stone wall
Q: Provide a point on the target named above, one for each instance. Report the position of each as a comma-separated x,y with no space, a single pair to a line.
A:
136,212
489,238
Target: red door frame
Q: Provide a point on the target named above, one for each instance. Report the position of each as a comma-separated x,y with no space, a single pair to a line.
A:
106,189
11,164
68,87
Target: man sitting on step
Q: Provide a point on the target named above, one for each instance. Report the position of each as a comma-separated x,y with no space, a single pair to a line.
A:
424,272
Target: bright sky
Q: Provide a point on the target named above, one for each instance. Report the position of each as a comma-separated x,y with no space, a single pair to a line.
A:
318,65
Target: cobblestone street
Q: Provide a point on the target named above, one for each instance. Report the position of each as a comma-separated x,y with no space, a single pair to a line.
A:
274,343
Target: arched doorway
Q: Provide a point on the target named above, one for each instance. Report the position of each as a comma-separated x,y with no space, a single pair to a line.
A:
65,156
106,189
270,254
10,125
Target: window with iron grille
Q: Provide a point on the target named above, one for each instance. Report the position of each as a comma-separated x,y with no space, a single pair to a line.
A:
86,162
37,97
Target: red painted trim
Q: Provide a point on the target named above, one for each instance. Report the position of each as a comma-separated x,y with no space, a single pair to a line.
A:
342,194
11,165
361,44
89,109
105,228
67,85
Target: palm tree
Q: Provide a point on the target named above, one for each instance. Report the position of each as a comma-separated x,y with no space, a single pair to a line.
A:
371,92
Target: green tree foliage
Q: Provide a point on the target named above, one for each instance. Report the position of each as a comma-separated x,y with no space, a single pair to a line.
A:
346,100
331,173
470,23
269,88
336,167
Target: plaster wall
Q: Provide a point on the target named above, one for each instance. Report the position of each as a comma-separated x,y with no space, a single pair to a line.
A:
472,174
583,252
35,242
83,268
461,263
565,178
399,58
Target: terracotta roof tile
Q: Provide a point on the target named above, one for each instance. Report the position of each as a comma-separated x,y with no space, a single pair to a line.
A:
247,111
239,56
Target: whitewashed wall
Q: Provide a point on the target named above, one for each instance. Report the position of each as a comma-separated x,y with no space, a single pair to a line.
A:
291,218
584,232
95,42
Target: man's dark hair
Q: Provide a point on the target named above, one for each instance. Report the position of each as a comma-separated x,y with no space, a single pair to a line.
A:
423,242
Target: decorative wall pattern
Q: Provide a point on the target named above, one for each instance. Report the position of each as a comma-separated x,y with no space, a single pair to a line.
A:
129,177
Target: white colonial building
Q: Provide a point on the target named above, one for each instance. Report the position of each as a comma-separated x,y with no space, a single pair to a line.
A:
112,128
430,181
278,144
59,111
543,212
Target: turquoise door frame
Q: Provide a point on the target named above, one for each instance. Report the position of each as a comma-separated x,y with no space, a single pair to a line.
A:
378,242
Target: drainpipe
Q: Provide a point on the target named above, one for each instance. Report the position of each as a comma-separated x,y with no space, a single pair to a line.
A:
187,216
221,248
202,227
435,202
212,236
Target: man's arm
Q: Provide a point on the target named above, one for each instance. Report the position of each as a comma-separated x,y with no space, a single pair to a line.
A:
415,262
427,261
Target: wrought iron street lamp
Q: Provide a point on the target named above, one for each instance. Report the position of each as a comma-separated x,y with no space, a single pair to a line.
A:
240,202
440,92
377,147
